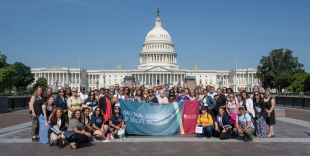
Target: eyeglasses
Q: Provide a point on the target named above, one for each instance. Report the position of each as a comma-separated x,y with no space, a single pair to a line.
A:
61,91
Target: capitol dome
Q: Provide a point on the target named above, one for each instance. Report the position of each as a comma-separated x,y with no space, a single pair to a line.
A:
158,49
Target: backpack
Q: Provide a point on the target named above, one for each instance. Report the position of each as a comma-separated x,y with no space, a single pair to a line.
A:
210,102
226,135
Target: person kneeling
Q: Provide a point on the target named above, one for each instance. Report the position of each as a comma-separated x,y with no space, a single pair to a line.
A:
244,125
58,127
76,133
98,125
206,122
117,124
223,124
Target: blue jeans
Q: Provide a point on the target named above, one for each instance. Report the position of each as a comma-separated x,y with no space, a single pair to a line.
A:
207,131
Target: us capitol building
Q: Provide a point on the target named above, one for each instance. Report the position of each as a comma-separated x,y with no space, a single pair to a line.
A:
158,64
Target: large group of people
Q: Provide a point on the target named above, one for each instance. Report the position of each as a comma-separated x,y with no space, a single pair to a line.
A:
73,117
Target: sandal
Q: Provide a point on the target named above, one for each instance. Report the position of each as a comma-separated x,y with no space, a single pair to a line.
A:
72,146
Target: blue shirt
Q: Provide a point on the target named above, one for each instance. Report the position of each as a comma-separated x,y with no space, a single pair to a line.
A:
243,119
91,102
97,120
183,98
61,102
116,120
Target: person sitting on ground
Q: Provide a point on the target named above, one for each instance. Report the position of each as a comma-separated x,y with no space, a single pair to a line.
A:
75,133
223,124
100,129
86,120
205,120
117,122
58,127
244,126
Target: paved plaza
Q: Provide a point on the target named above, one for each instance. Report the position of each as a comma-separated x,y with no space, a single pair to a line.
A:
292,138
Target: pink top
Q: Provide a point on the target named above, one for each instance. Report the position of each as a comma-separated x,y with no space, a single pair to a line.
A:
232,107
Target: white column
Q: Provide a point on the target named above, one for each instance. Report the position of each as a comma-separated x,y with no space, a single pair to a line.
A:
156,78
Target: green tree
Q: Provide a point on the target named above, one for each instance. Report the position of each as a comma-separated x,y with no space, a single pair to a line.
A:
22,76
40,82
276,70
298,82
307,84
2,60
6,73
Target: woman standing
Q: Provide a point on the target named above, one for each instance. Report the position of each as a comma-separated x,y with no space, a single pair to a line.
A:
232,106
261,115
47,109
35,105
139,96
76,133
247,102
162,99
172,97
192,95
91,102
151,98
61,100
74,102
270,103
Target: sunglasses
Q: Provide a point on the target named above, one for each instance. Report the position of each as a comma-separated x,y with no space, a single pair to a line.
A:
241,108
256,95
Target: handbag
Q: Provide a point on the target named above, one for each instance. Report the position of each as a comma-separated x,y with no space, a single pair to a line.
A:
198,129
121,133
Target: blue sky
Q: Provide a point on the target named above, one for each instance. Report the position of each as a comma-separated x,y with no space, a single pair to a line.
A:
102,34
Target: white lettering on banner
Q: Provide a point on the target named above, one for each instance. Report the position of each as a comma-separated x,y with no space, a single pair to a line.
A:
190,116
140,118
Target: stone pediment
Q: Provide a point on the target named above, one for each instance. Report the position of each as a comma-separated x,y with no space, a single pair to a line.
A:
158,68
54,69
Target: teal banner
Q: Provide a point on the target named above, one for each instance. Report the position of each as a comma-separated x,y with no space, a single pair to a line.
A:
151,119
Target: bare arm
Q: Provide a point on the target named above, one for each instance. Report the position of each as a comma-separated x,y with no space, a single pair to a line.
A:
31,102
112,125
273,104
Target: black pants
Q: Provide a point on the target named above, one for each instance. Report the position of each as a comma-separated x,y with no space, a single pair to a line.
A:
79,138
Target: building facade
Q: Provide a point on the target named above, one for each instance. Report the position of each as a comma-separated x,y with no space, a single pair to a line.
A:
158,64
